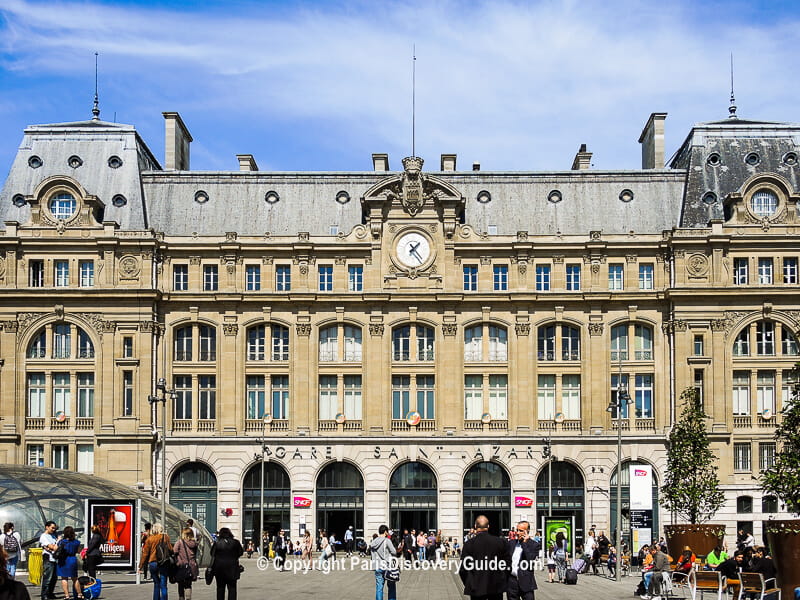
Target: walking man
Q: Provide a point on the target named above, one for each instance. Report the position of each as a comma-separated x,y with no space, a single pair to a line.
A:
524,551
49,543
348,540
485,564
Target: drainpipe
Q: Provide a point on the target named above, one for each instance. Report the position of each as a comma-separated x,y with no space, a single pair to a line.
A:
672,409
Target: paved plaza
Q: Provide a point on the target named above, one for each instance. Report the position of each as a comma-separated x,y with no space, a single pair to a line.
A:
355,584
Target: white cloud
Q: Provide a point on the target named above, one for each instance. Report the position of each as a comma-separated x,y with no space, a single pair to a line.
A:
514,85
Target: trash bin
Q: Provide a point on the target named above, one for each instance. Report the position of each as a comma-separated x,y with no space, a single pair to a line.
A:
35,566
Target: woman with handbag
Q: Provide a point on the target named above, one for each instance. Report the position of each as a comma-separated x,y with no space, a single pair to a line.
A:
67,562
225,555
153,558
93,556
186,561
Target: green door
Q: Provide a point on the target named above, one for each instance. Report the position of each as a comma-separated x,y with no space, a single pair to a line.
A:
193,490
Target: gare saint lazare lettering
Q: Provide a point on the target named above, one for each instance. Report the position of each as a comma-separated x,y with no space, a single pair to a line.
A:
327,452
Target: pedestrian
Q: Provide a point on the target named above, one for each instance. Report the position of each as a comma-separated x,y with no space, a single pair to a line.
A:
560,555
279,545
148,526
485,564
67,565
524,551
250,549
49,542
11,542
10,589
185,550
383,555
408,545
611,563
93,555
308,549
225,556
157,545
592,551
348,541
190,525
422,540
551,565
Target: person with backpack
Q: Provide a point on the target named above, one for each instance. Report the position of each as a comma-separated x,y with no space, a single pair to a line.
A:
225,555
156,557
12,544
185,550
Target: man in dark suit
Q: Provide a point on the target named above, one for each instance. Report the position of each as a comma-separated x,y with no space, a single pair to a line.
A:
524,551
485,564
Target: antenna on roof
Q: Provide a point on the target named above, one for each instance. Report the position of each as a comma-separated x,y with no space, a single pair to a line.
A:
96,107
413,99
732,107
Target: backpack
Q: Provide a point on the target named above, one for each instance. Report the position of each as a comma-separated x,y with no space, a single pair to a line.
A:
164,553
10,544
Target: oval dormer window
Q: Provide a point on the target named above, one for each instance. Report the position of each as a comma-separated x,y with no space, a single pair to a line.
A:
63,206
74,162
764,203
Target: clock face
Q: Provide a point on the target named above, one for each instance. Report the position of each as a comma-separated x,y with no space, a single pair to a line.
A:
413,249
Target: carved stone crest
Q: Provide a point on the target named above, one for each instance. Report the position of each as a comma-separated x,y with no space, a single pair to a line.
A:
376,329
413,197
595,329
303,329
523,328
697,265
230,328
129,267
449,329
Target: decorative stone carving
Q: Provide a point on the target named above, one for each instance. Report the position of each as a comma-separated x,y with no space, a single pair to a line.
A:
230,236
432,228
340,260
630,258
413,196
303,329
558,259
24,320
95,320
11,326
697,265
522,329
266,260
486,260
194,260
129,267
376,329
147,254
304,269
108,326
303,236
522,268
718,324
595,235
595,267
596,329
449,329
230,329
59,310
522,236
146,326
230,266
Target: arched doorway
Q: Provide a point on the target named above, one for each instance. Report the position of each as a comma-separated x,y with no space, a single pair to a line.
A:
412,497
193,490
340,500
568,495
625,490
487,491
277,501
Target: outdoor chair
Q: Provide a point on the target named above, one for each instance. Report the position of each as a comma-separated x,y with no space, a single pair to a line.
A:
706,582
755,584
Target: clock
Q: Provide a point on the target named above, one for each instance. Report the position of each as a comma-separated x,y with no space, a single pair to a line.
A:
413,249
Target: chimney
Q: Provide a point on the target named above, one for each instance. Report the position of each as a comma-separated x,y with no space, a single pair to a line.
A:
583,159
247,162
652,141
476,166
380,162
448,162
177,138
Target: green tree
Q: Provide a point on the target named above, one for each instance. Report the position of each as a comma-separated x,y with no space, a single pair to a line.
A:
691,485
783,478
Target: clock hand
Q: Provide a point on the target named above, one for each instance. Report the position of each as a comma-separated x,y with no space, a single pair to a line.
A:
416,254
413,247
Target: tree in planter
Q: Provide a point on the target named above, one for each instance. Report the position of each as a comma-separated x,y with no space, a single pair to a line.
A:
691,485
783,478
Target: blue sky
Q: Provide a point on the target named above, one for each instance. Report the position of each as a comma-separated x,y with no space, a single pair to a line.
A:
323,85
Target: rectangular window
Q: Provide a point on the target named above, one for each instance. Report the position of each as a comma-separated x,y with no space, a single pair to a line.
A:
36,395
425,396
283,278
208,397
643,394
355,278
741,393
491,229
210,278
765,391
36,273
790,270
36,455
401,396
328,398
542,278
546,397
61,272
616,277
741,457
352,397
766,455
470,278
498,397
85,458
787,384
86,395
183,397
280,342
616,384
127,347
698,345
86,273
325,278
765,271
765,338
333,230
280,396
180,278
127,393
645,277
500,278
571,396
644,342
62,399
256,396
252,277
740,271
573,278
699,384
60,457
473,397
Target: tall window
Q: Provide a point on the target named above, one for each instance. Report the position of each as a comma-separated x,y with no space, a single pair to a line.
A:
741,457
256,396
401,343
208,343
498,397
352,397
280,342
619,343
740,267
425,342
546,342
127,347
571,396
352,343
425,396
280,396
765,271
85,346
36,273
180,278
183,344
500,278
790,270
618,383
741,393
61,268
252,277
208,397
542,278
741,346
37,394
86,273
699,385
85,458
646,277
498,344
570,343
616,277
698,345
60,456
38,346
473,397
546,397
765,391
644,342
573,278
328,399
62,340
765,338
127,393
183,398
85,395
766,455
283,278
328,344
401,396
355,278
788,342
210,278
325,278
36,455
62,397
643,396
470,278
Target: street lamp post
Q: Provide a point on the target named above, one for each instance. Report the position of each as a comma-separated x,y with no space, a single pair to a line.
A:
547,452
623,399
165,394
266,420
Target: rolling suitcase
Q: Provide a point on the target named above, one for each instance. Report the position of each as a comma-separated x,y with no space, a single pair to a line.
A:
580,565
571,577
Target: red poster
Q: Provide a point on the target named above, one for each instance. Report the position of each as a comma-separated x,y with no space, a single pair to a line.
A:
523,502
117,525
301,502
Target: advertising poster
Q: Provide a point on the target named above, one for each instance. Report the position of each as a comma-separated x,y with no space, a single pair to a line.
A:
641,487
552,525
116,522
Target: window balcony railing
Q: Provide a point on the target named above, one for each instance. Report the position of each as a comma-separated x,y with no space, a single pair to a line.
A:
645,424
327,425
644,355
498,355
34,423
279,425
327,356
424,425
37,353
547,356
570,355
473,356
55,423
255,355
352,356
425,355
571,425
762,422
498,425
207,356
59,354
546,425
354,425
742,421
86,353
625,424
182,355
280,356
473,425
251,425
207,425
84,423
401,356
619,355
181,425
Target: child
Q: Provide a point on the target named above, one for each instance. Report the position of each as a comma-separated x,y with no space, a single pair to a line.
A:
551,566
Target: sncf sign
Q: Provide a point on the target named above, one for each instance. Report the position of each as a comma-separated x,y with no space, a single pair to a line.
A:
300,502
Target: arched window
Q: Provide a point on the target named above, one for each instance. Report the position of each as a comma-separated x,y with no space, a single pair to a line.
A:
38,346
257,341
62,205
741,346
208,343
406,337
744,504
552,336
340,342
485,342
183,343
643,341
62,336
769,504
766,333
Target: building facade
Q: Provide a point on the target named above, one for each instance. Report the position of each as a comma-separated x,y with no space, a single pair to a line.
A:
397,345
